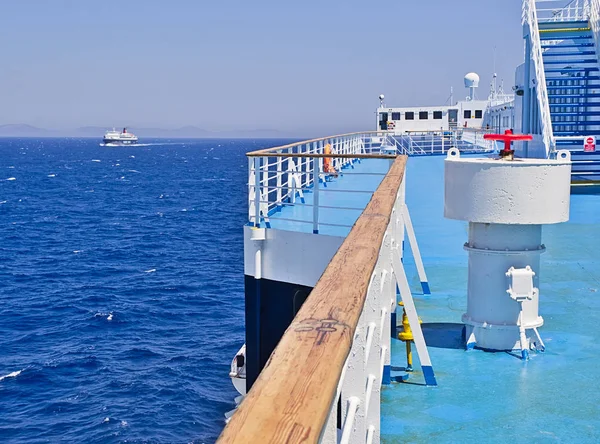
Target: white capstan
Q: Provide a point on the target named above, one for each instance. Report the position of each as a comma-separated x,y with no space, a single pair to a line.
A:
506,202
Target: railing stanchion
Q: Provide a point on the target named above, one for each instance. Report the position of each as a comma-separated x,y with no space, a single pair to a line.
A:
279,180
316,195
257,191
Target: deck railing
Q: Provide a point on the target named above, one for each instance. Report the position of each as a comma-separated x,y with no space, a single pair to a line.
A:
564,11
595,24
322,383
283,175
530,20
420,143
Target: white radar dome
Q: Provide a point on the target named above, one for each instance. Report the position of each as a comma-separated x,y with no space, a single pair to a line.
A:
471,80
381,97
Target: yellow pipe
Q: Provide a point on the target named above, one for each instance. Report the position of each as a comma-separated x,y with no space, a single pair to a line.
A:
564,30
409,366
585,182
406,335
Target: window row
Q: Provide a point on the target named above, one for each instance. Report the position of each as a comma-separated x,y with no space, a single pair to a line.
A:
423,115
468,114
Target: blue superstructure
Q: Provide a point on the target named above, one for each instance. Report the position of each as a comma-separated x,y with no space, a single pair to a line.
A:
573,82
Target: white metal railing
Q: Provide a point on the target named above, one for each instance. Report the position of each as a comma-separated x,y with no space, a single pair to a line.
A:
359,387
595,25
336,351
567,11
281,176
530,19
284,176
417,143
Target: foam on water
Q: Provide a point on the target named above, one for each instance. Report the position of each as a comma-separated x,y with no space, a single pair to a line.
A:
10,375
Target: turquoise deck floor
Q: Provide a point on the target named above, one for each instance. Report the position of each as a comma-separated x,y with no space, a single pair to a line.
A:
365,176
496,397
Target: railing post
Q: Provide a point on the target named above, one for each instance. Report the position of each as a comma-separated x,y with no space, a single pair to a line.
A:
353,389
316,192
279,180
291,181
257,191
251,192
335,149
303,170
265,184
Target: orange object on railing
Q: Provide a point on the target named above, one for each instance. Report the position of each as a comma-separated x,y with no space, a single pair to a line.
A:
327,161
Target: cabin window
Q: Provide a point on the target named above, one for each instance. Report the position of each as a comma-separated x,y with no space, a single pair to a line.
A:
478,114
467,114
409,115
395,116
423,115
437,115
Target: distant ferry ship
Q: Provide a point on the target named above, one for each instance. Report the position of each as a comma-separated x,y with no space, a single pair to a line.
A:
120,138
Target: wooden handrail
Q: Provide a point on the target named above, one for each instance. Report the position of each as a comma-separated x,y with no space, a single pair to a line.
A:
292,397
291,145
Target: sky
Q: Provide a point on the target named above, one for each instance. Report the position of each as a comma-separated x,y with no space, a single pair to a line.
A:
309,67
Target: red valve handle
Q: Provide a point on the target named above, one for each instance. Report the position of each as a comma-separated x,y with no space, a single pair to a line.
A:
508,137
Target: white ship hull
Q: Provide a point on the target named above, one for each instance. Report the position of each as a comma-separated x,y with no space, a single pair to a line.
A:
120,141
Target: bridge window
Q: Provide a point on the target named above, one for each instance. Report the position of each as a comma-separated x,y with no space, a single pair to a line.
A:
423,115
409,115
478,114
437,115
395,116
467,114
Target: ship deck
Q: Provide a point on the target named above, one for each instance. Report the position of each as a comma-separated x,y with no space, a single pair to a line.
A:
481,396
496,397
341,200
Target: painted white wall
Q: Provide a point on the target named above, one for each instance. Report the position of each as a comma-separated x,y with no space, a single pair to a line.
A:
290,256
417,124
472,106
431,124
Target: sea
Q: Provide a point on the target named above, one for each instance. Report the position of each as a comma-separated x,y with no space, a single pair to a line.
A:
121,288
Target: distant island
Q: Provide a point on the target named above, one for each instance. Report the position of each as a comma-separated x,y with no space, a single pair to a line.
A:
185,132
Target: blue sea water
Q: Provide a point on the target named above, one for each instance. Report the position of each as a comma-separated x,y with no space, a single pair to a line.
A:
121,288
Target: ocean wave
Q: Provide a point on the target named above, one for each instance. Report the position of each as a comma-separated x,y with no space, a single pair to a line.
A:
11,375
94,314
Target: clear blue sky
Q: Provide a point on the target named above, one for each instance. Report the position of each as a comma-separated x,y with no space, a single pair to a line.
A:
308,67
